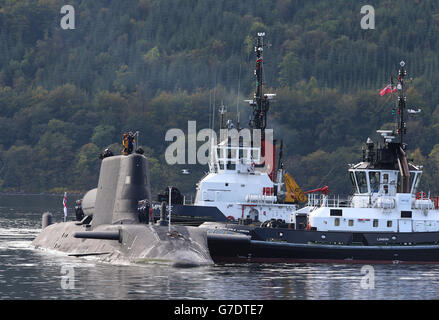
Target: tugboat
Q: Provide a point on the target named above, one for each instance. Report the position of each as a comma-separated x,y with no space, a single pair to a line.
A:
385,220
243,184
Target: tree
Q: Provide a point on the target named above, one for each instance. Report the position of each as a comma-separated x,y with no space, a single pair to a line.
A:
18,173
87,167
290,70
103,136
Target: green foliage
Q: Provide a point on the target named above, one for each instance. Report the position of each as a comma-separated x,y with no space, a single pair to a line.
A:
67,94
152,56
86,167
17,173
290,70
103,135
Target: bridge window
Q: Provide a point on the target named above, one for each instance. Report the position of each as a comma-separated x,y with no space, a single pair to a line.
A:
362,181
374,180
414,181
354,184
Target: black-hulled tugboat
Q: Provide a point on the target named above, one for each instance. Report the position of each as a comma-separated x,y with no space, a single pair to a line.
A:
385,220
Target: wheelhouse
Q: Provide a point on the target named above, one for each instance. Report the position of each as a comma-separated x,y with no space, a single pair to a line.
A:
367,181
226,157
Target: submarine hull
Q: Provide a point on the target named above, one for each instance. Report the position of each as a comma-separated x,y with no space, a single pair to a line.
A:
136,243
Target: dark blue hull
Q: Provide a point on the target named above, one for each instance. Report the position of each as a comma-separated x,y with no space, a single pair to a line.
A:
197,213
287,245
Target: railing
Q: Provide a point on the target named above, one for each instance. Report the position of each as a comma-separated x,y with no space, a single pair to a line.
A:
235,155
188,200
434,200
320,200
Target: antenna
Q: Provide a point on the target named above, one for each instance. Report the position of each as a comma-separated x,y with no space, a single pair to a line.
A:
222,110
210,109
239,85
260,102
213,106
169,209
137,139
401,103
401,131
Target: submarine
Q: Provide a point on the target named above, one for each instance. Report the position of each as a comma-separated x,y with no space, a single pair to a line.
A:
113,231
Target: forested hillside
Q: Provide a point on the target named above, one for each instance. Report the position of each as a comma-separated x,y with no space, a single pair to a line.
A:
152,65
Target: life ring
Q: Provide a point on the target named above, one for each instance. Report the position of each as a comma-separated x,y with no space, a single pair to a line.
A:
308,226
230,218
421,195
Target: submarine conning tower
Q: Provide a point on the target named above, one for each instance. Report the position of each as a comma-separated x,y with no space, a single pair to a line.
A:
123,181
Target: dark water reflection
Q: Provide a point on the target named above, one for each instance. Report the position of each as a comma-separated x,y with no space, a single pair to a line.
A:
26,273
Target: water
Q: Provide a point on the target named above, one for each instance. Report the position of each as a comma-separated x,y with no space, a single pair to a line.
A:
26,273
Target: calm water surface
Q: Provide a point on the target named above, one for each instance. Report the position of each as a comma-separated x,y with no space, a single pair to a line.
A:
26,273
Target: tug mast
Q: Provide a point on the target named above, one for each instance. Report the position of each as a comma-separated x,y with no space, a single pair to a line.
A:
261,105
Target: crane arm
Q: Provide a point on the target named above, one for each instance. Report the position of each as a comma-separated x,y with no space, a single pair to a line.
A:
293,192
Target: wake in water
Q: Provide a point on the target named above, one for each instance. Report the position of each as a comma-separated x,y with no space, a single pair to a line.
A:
17,238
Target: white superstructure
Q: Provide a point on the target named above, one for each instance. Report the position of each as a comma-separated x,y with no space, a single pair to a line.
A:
378,203
238,187
385,197
238,183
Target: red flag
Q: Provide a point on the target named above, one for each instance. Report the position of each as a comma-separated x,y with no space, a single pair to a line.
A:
387,89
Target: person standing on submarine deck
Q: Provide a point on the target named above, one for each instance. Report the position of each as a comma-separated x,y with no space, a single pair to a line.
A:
128,143
131,141
125,144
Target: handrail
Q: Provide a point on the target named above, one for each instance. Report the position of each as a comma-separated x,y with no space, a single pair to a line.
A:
249,155
319,200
